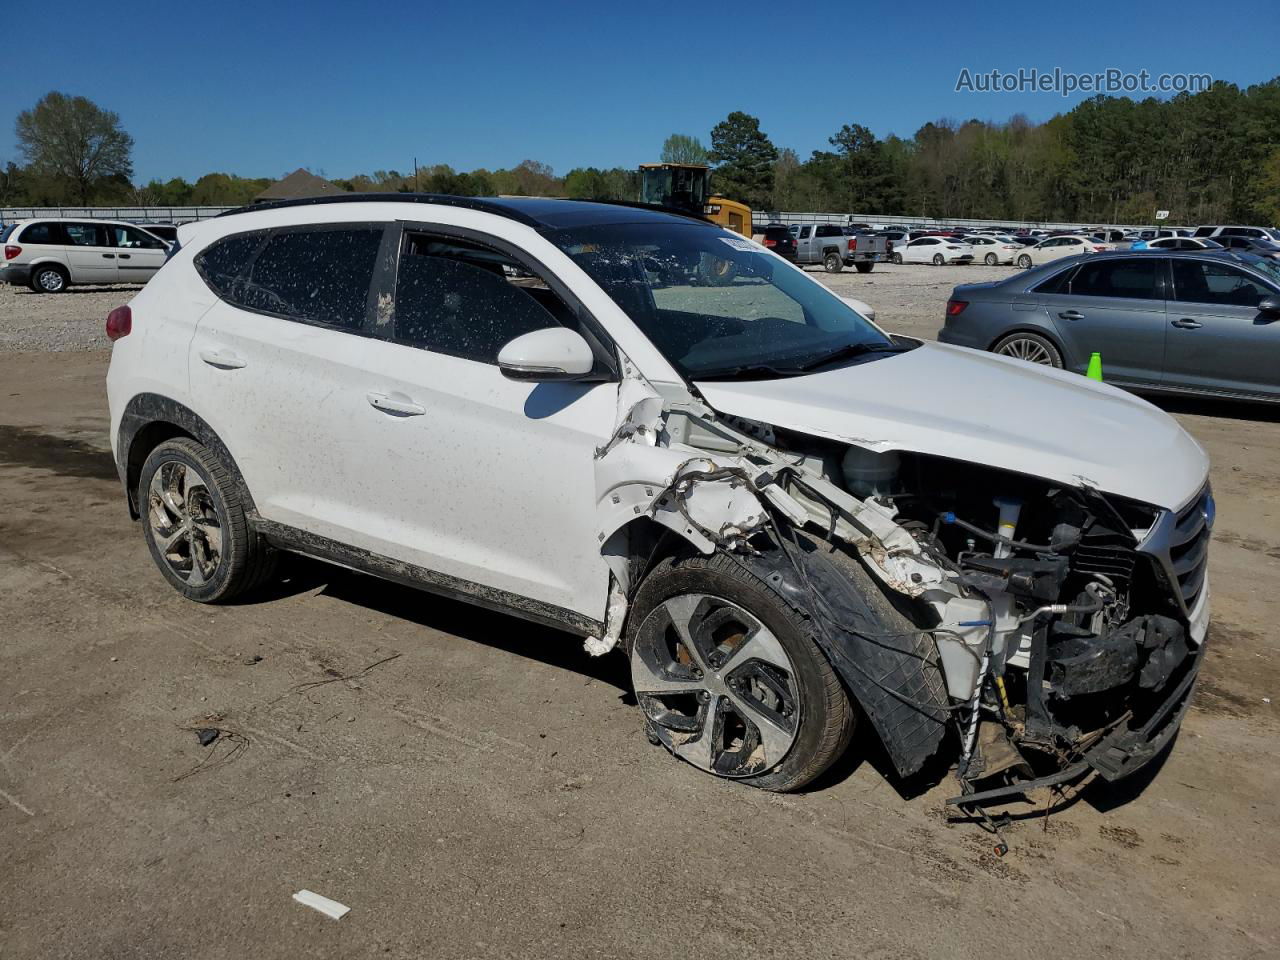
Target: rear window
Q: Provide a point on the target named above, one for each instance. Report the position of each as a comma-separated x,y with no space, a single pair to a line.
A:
777,233
5,230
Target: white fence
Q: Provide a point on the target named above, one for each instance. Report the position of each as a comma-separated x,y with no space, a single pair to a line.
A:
156,214
759,217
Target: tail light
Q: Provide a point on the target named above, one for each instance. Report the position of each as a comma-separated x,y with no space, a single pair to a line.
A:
119,323
853,244
770,242
956,307
11,251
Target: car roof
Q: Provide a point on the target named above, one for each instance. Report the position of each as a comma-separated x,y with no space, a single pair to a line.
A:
547,213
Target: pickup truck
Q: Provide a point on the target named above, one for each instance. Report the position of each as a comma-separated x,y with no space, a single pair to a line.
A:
837,247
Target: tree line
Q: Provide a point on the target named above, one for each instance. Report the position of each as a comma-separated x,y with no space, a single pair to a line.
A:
1212,156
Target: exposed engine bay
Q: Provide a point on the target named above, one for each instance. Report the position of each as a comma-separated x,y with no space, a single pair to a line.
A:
1059,629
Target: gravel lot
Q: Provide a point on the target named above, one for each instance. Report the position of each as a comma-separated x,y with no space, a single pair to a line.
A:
489,792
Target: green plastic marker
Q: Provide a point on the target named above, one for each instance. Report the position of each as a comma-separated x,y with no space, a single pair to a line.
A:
1095,368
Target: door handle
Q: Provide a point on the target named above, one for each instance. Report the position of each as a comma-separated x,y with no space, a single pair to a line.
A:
223,361
1071,315
395,407
124,256
108,256
1186,323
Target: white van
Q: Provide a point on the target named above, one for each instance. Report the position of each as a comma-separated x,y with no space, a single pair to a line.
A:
49,255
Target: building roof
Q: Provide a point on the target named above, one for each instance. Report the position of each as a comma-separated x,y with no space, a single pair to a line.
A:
299,184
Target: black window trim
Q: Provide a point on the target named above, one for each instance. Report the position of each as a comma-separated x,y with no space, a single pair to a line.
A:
602,345
367,323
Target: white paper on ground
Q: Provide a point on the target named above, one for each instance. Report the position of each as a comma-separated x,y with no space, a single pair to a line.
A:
331,908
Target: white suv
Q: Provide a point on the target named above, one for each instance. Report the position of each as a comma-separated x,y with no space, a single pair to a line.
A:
657,434
50,254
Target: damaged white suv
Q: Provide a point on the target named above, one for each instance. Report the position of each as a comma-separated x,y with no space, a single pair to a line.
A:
659,435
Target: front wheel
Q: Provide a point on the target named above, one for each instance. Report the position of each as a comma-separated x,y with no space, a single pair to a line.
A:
938,260
991,259
730,678
1030,347
833,263
864,266
1024,262
897,259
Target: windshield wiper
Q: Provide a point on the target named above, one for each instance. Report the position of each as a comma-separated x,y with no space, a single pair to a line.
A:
851,350
749,371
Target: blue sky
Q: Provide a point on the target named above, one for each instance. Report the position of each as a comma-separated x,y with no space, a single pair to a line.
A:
261,89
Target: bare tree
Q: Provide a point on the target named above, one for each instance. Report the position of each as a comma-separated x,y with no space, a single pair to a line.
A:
74,138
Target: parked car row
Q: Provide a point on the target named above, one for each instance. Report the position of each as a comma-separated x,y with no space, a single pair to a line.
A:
50,255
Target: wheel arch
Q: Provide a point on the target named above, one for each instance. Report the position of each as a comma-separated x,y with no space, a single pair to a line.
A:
149,420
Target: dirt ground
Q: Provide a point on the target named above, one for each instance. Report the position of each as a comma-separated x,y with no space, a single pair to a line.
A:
488,792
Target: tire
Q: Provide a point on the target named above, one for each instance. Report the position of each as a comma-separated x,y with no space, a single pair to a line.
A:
1024,261
182,480
939,259
49,278
991,259
833,262
1031,347
897,259
864,266
773,659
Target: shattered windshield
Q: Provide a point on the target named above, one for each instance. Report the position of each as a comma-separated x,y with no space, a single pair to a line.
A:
718,306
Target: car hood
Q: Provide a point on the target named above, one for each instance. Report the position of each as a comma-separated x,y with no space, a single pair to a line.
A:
969,405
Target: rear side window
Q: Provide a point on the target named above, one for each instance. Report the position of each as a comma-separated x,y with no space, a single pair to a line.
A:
42,233
465,300
1129,279
1058,283
314,275
85,234
225,261
1201,281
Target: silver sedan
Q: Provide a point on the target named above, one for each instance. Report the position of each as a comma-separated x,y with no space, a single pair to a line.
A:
1176,321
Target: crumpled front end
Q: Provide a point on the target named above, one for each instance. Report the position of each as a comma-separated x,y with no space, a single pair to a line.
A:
1055,629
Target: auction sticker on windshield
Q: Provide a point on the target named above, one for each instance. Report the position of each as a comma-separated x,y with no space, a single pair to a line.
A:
740,244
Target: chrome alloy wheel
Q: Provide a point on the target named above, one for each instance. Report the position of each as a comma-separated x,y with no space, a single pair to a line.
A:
184,522
51,281
716,686
1026,349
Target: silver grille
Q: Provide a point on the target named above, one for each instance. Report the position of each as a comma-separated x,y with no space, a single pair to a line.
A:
1181,543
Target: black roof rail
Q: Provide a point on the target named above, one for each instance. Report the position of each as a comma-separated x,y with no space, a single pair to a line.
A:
471,203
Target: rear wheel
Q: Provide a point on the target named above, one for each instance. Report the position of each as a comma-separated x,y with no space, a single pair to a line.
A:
1030,347
833,262
991,259
938,260
1024,262
195,526
48,278
897,258
864,266
729,677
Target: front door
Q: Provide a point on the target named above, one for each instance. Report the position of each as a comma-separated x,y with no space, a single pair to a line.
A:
1114,307
90,253
476,476
138,254
1217,339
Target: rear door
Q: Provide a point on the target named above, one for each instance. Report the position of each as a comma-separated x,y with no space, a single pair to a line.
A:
1114,307
138,254
278,363
1217,339
90,253
804,243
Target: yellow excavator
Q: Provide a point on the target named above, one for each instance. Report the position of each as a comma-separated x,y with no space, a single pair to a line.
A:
684,186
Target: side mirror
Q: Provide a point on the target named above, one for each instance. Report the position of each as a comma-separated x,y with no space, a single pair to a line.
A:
1270,306
863,308
556,353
